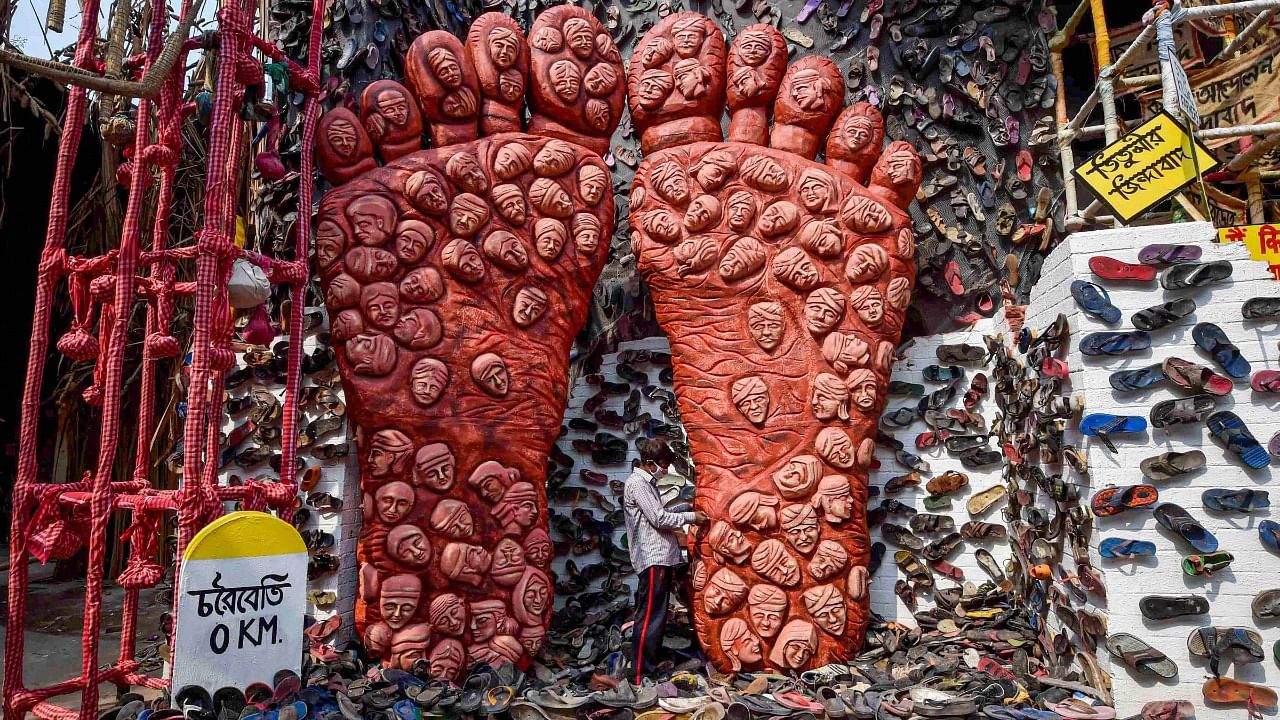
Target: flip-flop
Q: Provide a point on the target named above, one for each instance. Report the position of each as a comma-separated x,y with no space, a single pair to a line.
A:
1228,428
1109,268
951,354
1115,343
1269,534
1194,274
1137,379
1182,411
1104,425
1191,376
1244,500
1163,315
1095,301
982,501
1074,708
1140,656
1229,691
1226,639
1167,466
1176,519
1211,339
1115,500
1115,548
1266,604
1164,607
1260,308
1206,564
1161,254
1265,381
940,374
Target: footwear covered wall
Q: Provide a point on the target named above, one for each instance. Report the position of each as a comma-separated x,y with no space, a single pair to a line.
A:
1229,592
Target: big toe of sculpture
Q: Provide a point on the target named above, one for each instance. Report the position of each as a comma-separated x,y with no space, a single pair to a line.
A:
456,279
782,284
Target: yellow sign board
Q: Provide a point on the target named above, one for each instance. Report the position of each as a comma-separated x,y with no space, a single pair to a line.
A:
1145,166
1263,240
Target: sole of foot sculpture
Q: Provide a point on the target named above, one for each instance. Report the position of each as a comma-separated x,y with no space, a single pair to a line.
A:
782,284
456,279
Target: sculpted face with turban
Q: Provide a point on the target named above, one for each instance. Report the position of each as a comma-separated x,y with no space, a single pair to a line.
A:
751,396
739,644
834,499
795,645
465,563
830,398
389,453
827,608
448,615
835,447
800,523
772,560
797,478
408,545
766,606
724,591
394,501
757,511
518,508
828,560
765,321
452,518
728,543
823,309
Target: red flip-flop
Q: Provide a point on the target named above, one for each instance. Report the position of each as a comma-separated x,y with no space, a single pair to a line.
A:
1109,268
952,275
1266,381
1054,367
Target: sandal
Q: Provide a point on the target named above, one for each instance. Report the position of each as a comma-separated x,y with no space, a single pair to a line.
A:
1177,520
976,392
1269,534
980,502
1167,466
1164,607
1211,339
1137,379
1115,500
1140,656
1115,548
1103,425
1074,708
1182,411
1228,428
1187,275
1266,604
1160,254
948,482
931,523
1260,308
1229,691
1115,343
1236,644
1191,376
913,568
1095,301
1206,564
1109,268
978,530
901,536
939,374
951,354
1163,315
1265,381
1244,500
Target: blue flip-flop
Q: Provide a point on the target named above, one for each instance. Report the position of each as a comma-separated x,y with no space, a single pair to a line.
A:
1115,343
1244,500
1115,548
1137,379
1227,427
1269,534
1095,301
1104,425
1211,339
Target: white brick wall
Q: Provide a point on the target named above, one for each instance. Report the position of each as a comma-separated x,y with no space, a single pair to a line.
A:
1231,591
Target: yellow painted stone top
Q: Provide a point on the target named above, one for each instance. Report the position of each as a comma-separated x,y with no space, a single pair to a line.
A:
245,534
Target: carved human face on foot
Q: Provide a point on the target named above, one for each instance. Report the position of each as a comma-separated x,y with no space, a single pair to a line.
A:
764,320
862,386
754,510
394,502
371,354
796,479
465,563
509,200
586,233
537,548
372,219
531,597
662,226
506,250
834,499
692,78
508,562
687,36
381,305
579,38
490,373
592,183
828,560
778,218
766,607
655,86
445,67
408,545
671,182
818,192
409,645
529,305
745,257
427,381
800,524
741,210
518,508
829,398
426,190
433,467
446,659
724,591
389,452
488,618
467,214
452,518
448,615
504,47
823,310
490,480
418,329
834,446
413,239
772,560
827,608
751,396
330,242
795,646
868,302
737,642
566,80
399,599
793,267
728,542
703,213
463,260
343,137
393,106
809,90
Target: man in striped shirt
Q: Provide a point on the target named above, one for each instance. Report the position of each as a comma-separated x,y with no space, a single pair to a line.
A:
654,552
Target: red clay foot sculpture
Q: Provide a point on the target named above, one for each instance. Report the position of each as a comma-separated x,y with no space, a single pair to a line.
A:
782,284
456,279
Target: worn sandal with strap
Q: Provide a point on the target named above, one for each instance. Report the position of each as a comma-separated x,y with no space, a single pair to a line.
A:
1163,315
1176,519
1167,466
1140,655
1187,275
1115,343
1211,339
1206,564
1229,429
1183,411
1115,500
1243,500
1191,376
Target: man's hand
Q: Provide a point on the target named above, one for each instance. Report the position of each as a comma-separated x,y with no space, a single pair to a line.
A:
699,518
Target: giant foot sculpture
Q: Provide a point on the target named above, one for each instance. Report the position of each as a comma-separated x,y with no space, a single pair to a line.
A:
456,279
782,284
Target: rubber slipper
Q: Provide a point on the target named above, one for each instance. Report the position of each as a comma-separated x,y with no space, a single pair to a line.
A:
1240,645
1095,301
1104,425
1114,343
1229,429
979,458
939,374
1164,607
1266,381
901,536
897,387
1076,709
1266,604
1167,466
1115,500
1182,411
1161,254
1260,308
1269,534
1163,315
1138,379
1244,500
1211,339
1207,564
1229,691
1194,274
1115,548
1191,376
1273,446
951,354
1176,519
982,501
1109,268
1140,656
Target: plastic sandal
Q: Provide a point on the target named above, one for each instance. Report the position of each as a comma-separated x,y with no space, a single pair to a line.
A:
913,568
1176,519
1228,428
1261,308
939,374
1161,254
1182,411
1095,301
1164,607
1194,274
948,482
1240,645
982,501
1229,691
1207,564
1269,534
1077,709
1191,376
951,354
1115,343
1115,500
1139,655
1266,381
1109,268
1115,548
1104,425
1137,379
1266,604
1163,315
1167,466
1214,341
1245,500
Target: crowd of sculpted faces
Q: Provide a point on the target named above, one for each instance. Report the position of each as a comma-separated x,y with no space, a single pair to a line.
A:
456,278
782,283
